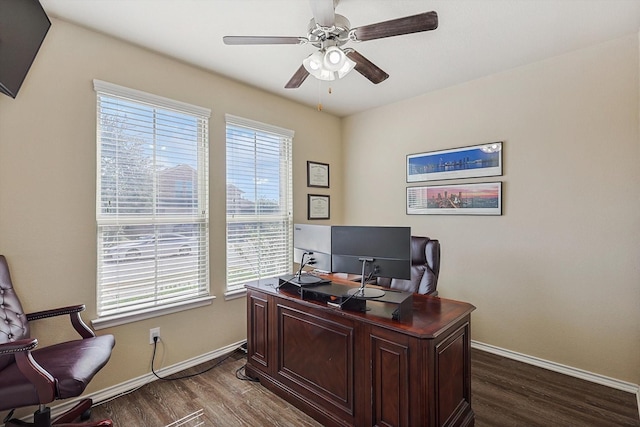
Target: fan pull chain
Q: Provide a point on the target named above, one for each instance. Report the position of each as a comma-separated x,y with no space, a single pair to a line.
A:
329,91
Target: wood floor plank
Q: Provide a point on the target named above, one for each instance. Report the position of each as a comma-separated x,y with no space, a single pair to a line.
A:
505,393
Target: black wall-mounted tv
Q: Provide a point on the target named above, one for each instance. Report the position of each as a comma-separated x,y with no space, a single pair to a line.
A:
23,26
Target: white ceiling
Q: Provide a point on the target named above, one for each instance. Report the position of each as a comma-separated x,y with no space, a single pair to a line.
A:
475,38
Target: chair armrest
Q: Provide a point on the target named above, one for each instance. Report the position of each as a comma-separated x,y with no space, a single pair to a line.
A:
43,382
26,344
74,314
55,312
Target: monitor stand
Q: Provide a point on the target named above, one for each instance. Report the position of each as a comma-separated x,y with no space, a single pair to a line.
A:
301,280
308,279
362,291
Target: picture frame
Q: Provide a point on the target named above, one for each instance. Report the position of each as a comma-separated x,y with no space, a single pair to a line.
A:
484,198
317,174
466,162
318,206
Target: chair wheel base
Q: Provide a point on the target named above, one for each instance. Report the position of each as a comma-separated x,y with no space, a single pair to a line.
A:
42,418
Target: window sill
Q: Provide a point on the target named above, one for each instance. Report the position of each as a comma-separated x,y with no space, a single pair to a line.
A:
238,293
121,319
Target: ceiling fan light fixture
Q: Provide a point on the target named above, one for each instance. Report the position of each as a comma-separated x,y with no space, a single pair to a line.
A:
327,75
334,58
348,65
313,62
328,64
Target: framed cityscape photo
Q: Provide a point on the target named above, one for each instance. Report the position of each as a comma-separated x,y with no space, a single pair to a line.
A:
317,174
466,162
456,199
317,206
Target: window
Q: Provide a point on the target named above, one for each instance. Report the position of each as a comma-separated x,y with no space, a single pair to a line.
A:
259,202
152,203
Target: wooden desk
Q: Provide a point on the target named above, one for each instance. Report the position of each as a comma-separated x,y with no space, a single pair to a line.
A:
358,369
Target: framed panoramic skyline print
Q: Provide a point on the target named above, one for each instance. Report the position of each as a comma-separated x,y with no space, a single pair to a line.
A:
456,199
466,162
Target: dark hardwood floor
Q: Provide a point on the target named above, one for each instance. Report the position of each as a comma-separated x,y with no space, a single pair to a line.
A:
504,393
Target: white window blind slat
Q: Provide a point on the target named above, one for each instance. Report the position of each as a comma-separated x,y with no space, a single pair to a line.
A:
152,204
259,201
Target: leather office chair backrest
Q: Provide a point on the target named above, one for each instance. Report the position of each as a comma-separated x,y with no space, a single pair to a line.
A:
13,322
425,268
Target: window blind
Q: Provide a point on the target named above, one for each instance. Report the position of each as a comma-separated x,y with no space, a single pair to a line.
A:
152,201
259,201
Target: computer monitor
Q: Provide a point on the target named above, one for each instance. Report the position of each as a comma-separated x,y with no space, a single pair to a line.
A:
311,247
371,251
316,239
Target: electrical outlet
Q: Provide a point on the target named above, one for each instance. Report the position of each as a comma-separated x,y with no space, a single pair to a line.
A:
154,332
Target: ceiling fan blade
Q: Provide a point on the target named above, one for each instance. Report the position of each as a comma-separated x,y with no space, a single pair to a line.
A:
246,40
298,77
324,12
396,27
366,67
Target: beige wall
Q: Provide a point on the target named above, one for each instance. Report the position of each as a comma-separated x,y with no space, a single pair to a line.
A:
556,276
47,185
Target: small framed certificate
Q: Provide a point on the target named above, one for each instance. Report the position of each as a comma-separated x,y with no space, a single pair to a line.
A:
317,206
317,174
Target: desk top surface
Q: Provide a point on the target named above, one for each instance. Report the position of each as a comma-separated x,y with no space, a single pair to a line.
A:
430,317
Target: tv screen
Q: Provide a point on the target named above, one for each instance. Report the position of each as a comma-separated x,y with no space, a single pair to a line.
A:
316,239
387,248
23,26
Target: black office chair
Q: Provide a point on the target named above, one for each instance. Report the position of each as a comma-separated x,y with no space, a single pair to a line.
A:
31,377
425,268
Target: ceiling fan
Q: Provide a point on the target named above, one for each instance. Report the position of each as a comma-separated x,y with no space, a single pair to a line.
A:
329,31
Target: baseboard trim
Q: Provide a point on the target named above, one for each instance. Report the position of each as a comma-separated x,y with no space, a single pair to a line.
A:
126,387
560,368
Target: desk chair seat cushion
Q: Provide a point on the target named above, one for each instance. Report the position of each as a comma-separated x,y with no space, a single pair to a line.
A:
73,363
425,268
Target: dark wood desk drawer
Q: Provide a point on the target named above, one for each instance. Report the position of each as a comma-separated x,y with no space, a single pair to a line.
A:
315,356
